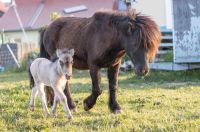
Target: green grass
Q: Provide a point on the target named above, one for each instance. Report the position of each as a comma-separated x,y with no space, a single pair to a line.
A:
167,57
163,101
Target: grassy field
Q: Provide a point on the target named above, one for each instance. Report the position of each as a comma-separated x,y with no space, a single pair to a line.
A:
163,101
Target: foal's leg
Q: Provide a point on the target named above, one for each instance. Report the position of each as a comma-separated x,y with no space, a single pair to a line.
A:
90,101
43,99
113,84
55,105
32,101
70,101
63,100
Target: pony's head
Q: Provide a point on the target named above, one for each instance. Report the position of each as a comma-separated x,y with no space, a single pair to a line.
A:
139,36
65,58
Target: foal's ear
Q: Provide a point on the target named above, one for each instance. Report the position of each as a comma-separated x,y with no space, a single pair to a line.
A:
71,51
58,52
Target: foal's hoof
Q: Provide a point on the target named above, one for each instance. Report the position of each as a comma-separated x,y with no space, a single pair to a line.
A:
55,115
47,115
70,117
117,111
31,108
86,108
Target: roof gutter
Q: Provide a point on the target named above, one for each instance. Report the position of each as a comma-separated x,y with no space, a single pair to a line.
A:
19,30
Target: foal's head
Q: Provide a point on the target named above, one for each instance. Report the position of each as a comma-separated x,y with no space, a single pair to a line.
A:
65,58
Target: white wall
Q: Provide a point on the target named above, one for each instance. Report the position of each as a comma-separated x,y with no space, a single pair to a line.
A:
33,36
153,8
169,14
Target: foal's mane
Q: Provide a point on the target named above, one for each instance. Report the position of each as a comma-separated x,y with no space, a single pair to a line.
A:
145,32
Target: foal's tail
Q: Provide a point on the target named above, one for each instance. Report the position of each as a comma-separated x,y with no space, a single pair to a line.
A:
43,52
32,83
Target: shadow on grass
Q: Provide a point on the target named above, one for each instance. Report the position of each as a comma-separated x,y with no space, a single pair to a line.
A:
12,106
162,77
10,77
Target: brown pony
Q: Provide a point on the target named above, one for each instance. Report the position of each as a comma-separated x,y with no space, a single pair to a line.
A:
100,42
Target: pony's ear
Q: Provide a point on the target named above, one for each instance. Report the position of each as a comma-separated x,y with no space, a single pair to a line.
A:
130,27
132,15
123,23
58,52
71,51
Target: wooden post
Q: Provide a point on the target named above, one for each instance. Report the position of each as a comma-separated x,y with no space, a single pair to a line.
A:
2,36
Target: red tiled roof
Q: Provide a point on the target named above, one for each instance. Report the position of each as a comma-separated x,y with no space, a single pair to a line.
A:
27,9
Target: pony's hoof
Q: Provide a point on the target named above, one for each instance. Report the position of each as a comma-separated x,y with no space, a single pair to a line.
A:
86,108
75,110
117,111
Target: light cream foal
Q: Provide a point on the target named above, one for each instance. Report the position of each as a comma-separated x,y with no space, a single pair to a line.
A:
53,74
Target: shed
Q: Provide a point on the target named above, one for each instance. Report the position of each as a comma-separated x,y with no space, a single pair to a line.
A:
186,36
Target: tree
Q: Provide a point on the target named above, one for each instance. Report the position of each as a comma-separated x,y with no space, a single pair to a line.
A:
54,16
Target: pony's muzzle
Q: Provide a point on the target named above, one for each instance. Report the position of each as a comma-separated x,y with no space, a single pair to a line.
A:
142,71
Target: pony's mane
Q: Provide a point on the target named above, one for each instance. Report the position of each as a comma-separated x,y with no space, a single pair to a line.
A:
147,34
101,14
145,31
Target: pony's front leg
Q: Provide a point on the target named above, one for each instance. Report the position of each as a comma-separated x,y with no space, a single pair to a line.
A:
113,84
70,100
58,92
55,103
33,95
43,99
90,101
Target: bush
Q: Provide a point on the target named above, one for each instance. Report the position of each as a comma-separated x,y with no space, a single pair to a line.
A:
54,16
24,65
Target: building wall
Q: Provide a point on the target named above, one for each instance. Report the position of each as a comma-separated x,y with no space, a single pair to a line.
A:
33,36
154,8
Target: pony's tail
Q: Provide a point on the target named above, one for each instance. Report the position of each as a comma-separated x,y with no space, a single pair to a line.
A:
32,83
43,52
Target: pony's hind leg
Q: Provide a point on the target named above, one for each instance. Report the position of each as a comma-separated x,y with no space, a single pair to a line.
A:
59,93
55,105
32,101
43,99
